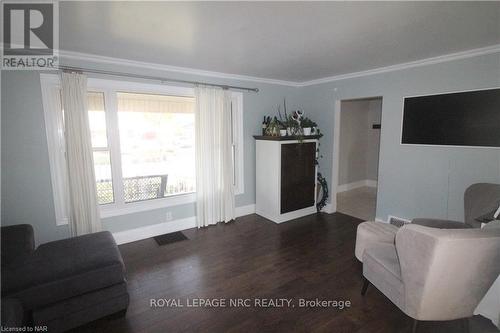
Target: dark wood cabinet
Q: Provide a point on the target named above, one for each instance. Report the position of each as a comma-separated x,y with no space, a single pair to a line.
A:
297,176
285,177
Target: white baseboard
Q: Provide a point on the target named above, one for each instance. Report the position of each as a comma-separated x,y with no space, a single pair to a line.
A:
328,208
245,210
358,184
285,217
132,235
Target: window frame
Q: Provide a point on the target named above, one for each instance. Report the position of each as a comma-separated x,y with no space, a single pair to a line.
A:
105,149
110,88
239,165
50,83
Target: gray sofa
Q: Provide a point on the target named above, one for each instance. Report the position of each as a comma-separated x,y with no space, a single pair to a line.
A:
61,284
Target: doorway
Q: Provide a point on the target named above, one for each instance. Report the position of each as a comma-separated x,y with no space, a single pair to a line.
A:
358,156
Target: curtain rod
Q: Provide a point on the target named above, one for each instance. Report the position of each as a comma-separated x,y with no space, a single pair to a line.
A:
154,78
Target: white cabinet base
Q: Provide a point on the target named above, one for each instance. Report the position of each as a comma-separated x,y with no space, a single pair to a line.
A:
287,216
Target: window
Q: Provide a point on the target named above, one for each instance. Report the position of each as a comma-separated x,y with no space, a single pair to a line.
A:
100,147
157,145
143,142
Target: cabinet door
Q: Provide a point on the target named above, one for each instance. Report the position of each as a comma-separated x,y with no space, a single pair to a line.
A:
298,176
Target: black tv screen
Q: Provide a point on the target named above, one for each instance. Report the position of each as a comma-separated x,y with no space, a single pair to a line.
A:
457,119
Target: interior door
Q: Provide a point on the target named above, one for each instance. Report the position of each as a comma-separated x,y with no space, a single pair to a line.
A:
297,176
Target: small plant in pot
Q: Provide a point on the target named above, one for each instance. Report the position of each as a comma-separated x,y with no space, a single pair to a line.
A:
283,131
307,126
273,129
293,127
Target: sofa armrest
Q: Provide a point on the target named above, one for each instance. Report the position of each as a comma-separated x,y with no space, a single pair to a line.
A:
441,224
18,241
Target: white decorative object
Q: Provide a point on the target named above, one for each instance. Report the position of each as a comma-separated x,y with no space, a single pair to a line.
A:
307,131
214,166
84,211
268,180
283,132
497,213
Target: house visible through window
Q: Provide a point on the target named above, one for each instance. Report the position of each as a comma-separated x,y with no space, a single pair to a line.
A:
143,142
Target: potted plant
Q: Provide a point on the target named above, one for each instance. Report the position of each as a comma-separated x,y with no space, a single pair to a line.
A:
273,129
282,126
307,126
293,126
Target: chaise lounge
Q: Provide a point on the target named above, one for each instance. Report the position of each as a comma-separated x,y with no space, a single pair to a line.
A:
62,284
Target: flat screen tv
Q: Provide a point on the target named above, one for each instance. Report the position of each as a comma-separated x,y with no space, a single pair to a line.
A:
469,118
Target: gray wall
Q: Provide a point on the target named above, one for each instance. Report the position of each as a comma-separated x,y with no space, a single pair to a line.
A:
414,180
26,187
359,143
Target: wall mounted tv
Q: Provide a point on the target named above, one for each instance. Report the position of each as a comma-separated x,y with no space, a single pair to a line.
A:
469,118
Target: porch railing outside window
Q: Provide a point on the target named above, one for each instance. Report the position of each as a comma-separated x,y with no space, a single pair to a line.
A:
143,188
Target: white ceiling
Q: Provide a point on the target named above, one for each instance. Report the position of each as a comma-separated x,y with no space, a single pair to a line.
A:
293,41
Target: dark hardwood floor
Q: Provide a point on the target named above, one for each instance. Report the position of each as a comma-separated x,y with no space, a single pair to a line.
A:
311,257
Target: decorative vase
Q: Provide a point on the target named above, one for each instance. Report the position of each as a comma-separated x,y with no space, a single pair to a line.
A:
283,132
307,131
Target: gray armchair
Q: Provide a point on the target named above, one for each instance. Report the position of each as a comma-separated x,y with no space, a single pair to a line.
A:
479,199
434,274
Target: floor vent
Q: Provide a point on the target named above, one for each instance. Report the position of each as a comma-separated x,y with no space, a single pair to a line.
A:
398,221
170,238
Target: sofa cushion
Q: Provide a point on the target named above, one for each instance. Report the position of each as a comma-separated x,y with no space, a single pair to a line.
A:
66,268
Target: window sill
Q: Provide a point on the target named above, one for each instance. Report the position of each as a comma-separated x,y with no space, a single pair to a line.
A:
142,206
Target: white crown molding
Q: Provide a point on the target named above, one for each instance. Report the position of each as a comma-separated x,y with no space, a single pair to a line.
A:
71,55
422,62
79,56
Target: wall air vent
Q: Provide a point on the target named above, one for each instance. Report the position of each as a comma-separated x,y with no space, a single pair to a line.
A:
398,221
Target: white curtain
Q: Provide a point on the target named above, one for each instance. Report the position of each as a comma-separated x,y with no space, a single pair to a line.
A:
84,213
214,166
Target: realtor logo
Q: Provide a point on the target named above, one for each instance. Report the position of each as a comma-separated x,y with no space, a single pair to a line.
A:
30,35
